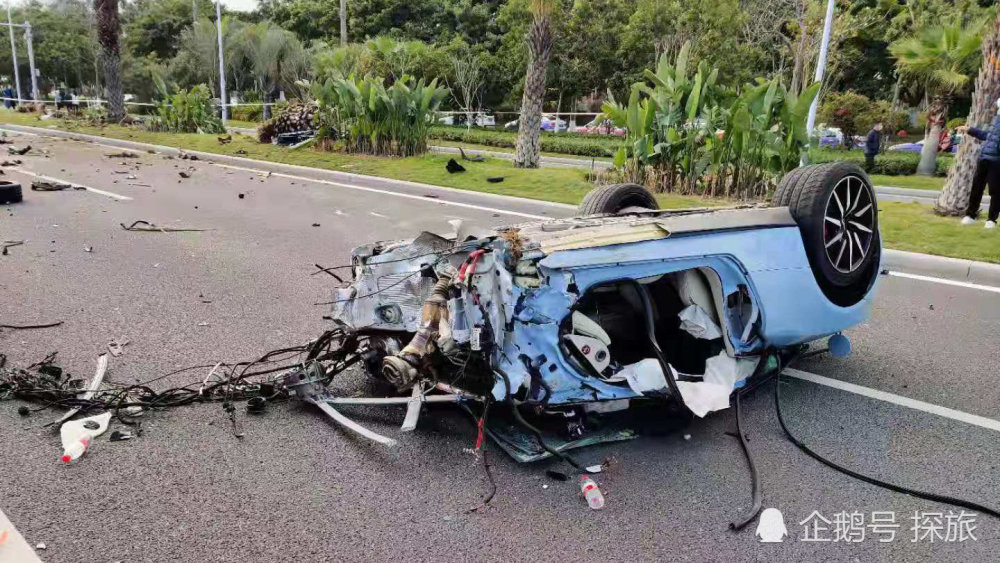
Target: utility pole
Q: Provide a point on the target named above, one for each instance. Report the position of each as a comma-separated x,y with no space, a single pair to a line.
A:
222,63
821,66
13,53
31,61
194,11
343,22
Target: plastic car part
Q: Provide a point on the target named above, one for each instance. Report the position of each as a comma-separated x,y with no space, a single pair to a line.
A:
582,324
616,198
593,350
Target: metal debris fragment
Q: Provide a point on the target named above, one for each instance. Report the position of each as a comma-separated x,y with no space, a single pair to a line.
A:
146,226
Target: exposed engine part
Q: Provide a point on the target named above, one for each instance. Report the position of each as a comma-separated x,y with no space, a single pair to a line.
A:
400,369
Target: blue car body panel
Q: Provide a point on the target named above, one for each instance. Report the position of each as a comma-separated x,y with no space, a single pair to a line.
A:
771,262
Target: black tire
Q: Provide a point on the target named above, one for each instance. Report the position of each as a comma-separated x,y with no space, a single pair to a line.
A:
834,227
608,200
10,192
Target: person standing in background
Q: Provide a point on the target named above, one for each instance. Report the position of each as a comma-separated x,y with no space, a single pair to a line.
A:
987,172
872,145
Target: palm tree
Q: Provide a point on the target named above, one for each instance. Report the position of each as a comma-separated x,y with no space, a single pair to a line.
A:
942,58
108,35
279,60
343,23
955,196
539,40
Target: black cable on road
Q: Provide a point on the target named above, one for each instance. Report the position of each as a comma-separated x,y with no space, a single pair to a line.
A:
933,497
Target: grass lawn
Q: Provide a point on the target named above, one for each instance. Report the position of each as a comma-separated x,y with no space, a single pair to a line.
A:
241,124
914,181
563,185
905,226
915,227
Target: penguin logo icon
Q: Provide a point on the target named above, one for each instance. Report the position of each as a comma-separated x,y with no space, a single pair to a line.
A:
771,528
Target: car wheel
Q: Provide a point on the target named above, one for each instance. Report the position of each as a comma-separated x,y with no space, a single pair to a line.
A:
836,209
10,192
616,198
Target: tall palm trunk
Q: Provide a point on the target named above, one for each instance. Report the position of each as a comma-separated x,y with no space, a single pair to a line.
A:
343,22
108,35
528,151
955,195
937,111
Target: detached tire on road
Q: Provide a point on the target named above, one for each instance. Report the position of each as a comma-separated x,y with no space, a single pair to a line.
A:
616,198
10,192
835,207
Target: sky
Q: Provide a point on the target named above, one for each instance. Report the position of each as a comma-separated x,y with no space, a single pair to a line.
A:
241,5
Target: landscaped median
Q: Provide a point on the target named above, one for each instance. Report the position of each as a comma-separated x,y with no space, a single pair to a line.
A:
905,226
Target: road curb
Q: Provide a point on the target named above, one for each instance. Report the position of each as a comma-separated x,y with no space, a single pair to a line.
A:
925,264
941,266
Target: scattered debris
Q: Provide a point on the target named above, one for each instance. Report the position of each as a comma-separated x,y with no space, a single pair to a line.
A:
23,410
186,156
49,186
88,248
14,162
930,307
241,151
140,185
29,327
146,226
256,405
495,179
687,436
117,346
315,224
453,166
19,152
431,196
184,174
131,177
78,435
203,324
474,158
241,196
119,436
95,384
225,140
591,492
122,154
40,545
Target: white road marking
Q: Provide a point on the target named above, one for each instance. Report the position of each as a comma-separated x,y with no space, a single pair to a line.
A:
390,192
945,412
61,181
980,287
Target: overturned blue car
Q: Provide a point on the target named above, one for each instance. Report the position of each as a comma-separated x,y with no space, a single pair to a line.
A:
622,308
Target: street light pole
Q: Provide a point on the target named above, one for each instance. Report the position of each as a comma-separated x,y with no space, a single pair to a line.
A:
821,65
222,65
28,36
13,52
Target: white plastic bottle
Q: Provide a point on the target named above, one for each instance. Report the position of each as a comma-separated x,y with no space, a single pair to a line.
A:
78,434
591,492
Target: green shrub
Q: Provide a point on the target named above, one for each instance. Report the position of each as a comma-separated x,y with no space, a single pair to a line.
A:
374,119
889,163
955,122
562,143
253,113
191,111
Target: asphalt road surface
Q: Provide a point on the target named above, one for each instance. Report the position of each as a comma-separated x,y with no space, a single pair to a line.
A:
298,488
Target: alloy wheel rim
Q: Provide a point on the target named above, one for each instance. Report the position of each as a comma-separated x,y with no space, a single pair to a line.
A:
849,224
